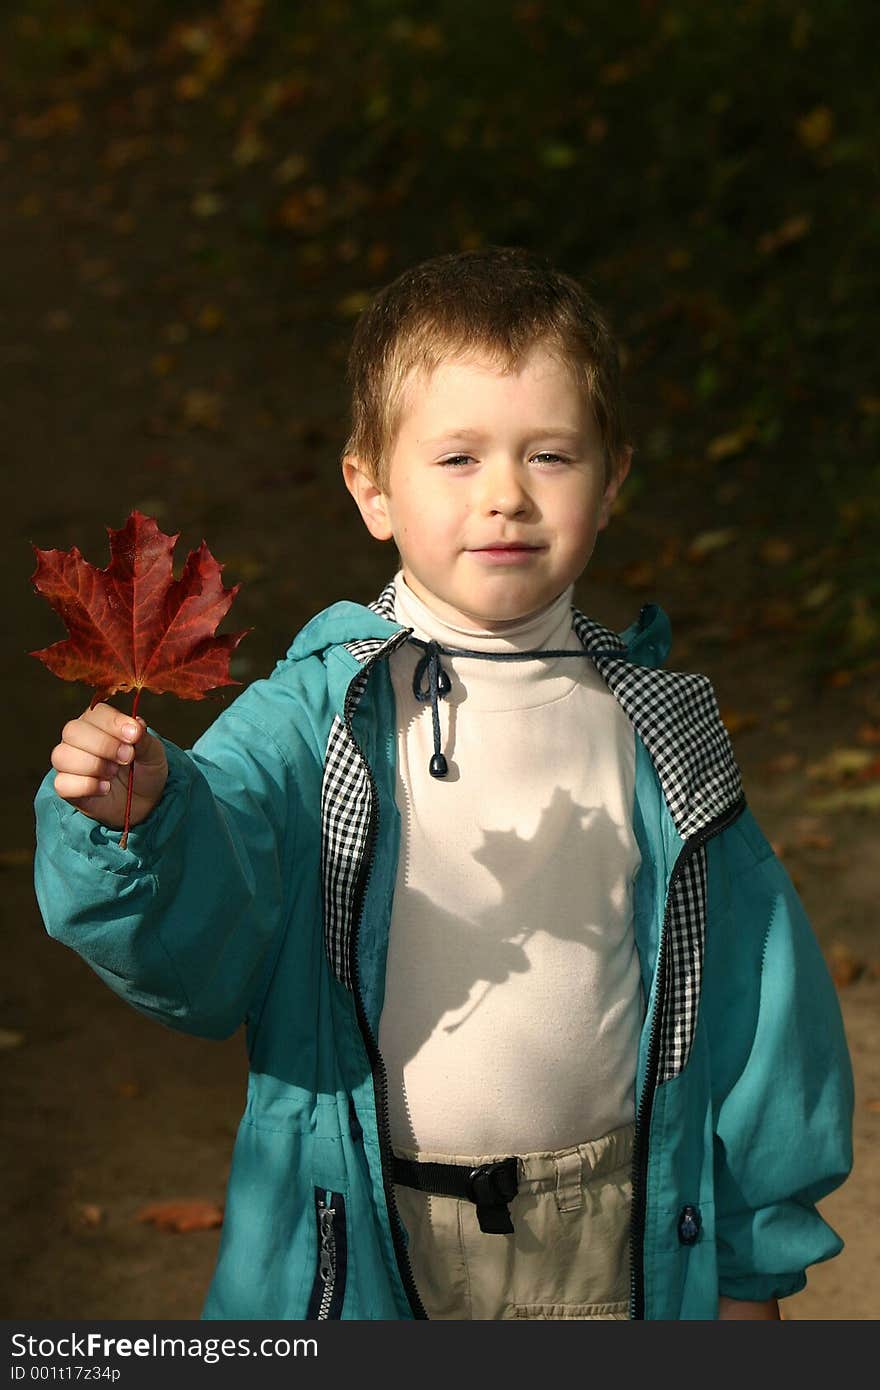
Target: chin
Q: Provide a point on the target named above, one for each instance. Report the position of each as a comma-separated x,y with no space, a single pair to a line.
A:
509,610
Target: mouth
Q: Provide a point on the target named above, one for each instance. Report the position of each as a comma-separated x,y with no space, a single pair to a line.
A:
505,546
506,552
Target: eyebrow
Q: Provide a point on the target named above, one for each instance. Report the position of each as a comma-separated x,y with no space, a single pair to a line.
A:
554,431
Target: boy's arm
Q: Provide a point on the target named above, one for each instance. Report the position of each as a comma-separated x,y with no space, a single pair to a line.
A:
782,1081
181,921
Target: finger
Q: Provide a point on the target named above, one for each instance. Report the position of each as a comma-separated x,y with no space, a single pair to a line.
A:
73,788
90,738
114,722
81,763
149,747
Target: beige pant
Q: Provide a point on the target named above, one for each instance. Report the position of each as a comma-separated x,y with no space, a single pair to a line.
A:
568,1256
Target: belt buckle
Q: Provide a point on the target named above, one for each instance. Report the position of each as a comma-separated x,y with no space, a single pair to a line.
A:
490,1187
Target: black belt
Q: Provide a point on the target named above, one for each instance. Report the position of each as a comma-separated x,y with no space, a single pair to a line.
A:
490,1186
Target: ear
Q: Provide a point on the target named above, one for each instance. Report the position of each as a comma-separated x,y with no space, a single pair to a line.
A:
619,471
371,500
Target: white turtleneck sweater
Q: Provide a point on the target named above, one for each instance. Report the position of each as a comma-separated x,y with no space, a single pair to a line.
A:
513,999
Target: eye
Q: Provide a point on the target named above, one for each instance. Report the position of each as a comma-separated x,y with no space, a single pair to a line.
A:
456,460
556,458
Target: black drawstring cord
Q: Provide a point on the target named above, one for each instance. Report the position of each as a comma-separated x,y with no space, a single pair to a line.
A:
438,688
438,684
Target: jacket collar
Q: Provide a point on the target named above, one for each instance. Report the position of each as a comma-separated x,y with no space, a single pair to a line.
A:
674,713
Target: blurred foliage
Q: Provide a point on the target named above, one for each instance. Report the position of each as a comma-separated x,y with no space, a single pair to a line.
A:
709,170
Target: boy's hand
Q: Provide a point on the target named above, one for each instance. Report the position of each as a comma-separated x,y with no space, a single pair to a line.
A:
92,762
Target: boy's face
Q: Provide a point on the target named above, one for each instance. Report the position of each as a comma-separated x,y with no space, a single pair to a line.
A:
496,488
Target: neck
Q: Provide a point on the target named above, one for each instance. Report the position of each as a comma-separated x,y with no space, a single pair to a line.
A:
435,622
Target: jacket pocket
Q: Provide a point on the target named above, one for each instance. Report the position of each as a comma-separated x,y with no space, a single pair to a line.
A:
328,1289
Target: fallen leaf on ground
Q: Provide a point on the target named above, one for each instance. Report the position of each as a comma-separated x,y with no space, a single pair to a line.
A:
709,541
128,1090
64,116
9,1038
185,1214
738,722
293,167
202,410
639,576
816,128
792,230
839,764
849,799
207,204
818,595
815,840
210,318
353,303
863,628
726,445
786,762
88,1213
776,551
845,967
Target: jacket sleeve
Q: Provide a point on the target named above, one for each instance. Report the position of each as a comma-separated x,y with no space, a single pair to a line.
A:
180,923
784,1095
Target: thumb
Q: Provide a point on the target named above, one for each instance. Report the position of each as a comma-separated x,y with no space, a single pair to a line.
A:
148,748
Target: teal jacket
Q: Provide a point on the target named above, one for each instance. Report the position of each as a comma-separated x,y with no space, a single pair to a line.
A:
259,891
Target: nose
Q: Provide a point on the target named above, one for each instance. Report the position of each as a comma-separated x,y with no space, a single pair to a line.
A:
504,489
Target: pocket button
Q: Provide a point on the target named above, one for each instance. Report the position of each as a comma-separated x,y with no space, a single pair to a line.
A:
689,1223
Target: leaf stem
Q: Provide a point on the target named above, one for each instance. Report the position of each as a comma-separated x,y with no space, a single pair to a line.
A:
124,841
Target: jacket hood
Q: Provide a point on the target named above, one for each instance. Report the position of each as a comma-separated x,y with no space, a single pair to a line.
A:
340,624
646,642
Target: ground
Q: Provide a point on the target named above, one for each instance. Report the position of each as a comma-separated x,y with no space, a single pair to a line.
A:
154,356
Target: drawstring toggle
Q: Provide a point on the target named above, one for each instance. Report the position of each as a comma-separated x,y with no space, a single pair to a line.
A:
438,686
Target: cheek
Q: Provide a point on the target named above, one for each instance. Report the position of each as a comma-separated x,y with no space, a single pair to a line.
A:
577,515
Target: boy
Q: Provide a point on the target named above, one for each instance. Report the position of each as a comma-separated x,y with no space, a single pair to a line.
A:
536,1025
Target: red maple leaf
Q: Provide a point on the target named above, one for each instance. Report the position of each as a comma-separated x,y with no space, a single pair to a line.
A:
133,626
184,1214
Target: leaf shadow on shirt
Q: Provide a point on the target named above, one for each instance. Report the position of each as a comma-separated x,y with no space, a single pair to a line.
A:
451,963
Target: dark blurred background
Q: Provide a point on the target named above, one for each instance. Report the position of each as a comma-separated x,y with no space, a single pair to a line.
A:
197,200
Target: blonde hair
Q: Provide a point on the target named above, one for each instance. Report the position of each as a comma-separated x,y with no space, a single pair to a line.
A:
498,302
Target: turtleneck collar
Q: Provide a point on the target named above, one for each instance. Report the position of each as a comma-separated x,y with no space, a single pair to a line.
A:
529,648
549,627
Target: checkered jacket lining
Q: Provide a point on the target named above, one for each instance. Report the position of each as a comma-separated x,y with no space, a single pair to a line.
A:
676,716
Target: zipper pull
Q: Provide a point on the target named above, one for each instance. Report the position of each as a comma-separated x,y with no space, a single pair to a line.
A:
327,1251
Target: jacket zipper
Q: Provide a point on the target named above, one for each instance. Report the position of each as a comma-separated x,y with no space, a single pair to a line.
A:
377,1065
326,1254
380,1077
328,1289
646,1102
